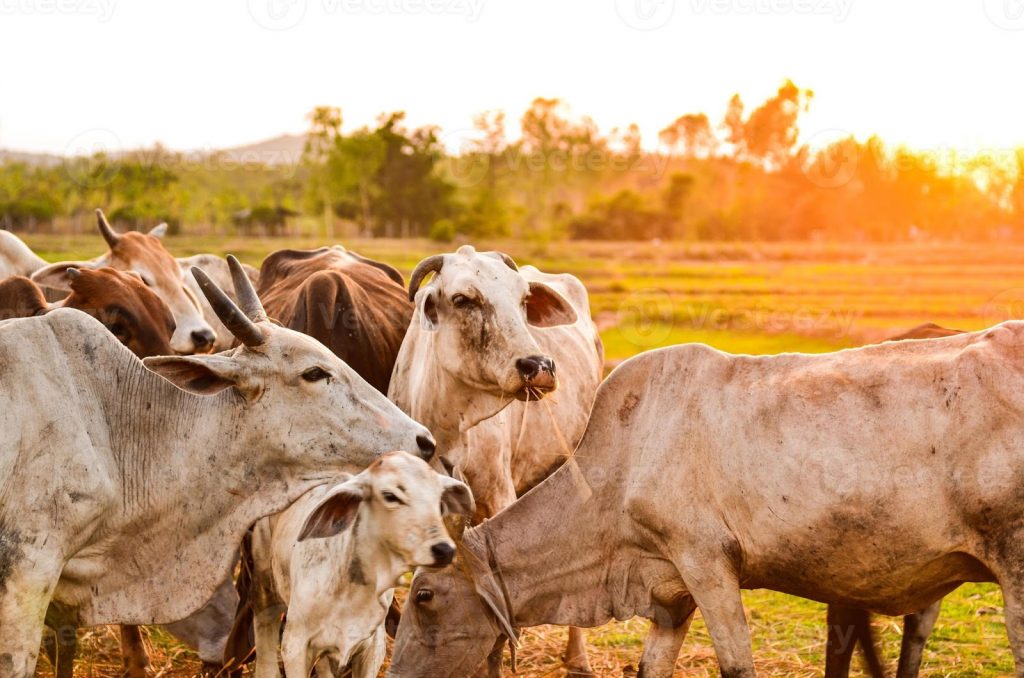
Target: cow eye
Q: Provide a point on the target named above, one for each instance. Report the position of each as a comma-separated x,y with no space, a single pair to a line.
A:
462,301
391,498
316,374
424,596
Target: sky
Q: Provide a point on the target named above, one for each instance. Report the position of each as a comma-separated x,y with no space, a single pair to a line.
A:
82,75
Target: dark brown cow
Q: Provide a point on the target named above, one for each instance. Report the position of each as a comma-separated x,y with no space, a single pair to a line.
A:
356,307
848,627
121,301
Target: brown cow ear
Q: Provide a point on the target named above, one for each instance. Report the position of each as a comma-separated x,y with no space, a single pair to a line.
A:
547,308
457,497
202,375
335,512
56,275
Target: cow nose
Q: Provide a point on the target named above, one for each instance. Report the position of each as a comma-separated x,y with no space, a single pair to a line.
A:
427,447
443,553
202,339
531,366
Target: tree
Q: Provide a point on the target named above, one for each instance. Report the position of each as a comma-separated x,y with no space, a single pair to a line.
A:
690,136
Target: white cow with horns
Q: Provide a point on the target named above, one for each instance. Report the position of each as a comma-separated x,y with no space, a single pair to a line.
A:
125,487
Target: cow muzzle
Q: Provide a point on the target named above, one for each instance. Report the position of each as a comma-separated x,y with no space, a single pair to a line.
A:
538,375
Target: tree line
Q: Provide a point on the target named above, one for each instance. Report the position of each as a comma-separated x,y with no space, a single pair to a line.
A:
746,177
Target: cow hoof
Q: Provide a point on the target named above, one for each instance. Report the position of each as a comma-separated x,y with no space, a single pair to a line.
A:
579,672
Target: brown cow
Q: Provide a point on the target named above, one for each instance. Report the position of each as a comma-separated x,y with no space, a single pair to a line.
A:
355,306
145,254
121,301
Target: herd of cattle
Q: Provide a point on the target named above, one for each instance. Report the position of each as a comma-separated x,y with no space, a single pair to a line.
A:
161,417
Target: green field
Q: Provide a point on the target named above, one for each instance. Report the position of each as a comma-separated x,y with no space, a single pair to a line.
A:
746,298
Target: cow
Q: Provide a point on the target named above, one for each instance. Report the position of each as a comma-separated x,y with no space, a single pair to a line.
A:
331,561
849,626
217,269
16,258
173,455
145,254
486,341
355,306
702,473
127,308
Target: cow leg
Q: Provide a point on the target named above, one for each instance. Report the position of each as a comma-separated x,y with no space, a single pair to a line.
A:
661,647
367,663
846,627
63,646
716,590
268,633
576,662
295,649
24,598
1013,610
916,629
133,652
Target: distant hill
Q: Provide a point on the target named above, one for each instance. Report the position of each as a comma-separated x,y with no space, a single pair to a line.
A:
281,150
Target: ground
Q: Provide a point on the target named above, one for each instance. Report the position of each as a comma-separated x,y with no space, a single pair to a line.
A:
742,298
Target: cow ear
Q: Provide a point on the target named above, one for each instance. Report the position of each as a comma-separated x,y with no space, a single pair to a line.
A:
200,374
427,302
547,308
56,275
487,588
335,512
457,497
159,231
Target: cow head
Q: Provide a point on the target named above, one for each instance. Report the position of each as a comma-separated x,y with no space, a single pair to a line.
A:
481,310
145,254
403,503
291,384
121,301
453,619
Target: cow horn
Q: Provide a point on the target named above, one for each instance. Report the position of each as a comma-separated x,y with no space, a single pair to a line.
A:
509,261
106,230
233,318
431,264
248,300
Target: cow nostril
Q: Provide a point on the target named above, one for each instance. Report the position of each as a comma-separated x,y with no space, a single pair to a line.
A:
427,447
202,338
443,553
533,365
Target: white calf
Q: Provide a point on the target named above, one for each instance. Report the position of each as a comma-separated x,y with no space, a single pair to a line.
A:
333,557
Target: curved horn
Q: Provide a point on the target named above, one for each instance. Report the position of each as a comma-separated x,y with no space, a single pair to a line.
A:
248,300
244,329
431,264
106,230
509,261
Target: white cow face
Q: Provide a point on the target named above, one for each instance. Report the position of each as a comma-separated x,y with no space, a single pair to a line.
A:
307,408
481,309
404,503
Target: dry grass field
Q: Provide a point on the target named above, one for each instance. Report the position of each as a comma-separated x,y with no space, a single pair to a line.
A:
744,298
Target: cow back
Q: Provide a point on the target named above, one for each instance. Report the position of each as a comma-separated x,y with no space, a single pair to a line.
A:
356,307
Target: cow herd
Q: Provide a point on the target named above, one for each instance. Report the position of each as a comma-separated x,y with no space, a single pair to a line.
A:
255,458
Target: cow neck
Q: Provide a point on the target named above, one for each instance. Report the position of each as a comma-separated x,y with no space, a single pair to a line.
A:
464,407
157,426
541,549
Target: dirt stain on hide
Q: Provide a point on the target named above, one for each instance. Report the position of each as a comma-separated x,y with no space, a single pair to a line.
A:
629,404
10,553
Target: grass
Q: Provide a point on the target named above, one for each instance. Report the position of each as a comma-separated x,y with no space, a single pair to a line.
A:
741,298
